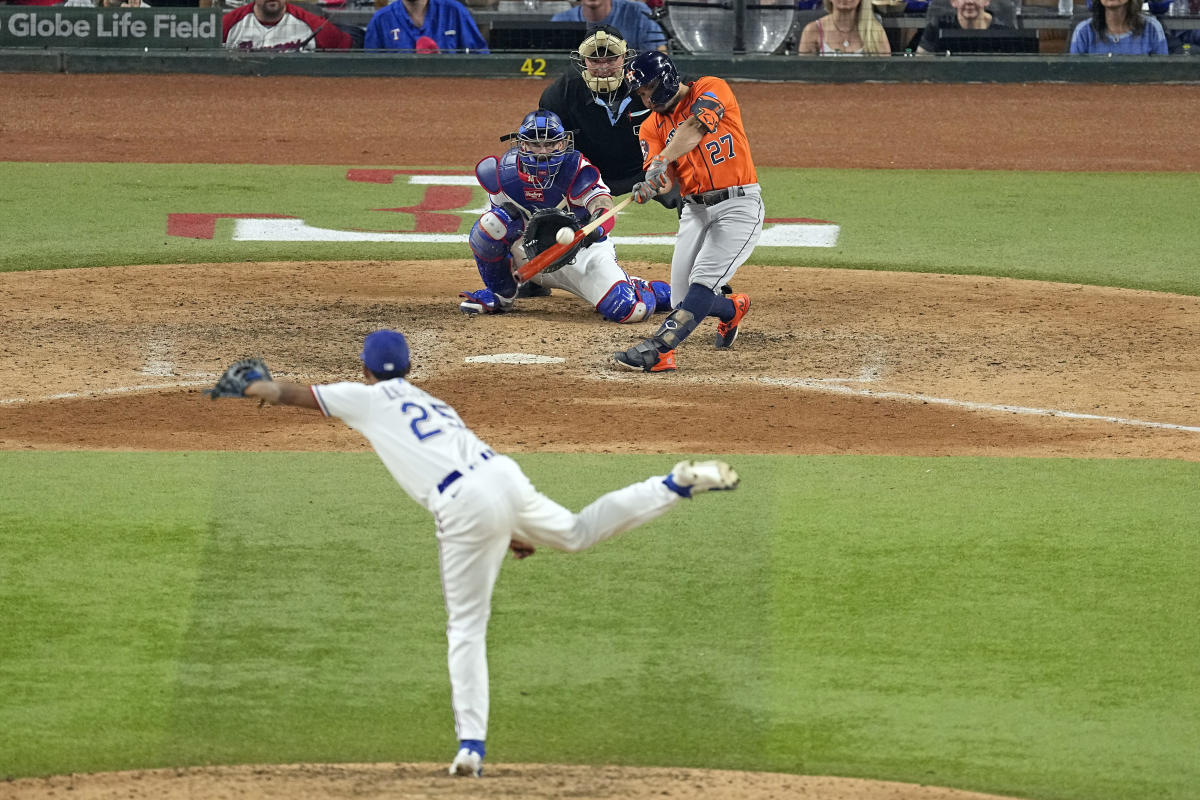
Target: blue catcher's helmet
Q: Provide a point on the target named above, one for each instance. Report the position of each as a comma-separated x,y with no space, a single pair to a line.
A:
656,71
542,146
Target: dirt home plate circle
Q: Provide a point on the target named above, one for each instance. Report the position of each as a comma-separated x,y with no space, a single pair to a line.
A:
564,236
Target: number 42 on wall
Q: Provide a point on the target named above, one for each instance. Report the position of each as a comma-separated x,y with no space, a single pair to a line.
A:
535,67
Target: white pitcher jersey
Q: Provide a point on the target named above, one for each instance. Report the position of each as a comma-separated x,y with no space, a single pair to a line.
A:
425,450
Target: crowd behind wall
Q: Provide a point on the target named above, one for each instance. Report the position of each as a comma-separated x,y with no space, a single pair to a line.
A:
833,27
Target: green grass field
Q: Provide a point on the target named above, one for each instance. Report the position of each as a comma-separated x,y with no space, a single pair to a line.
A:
1009,625
1046,226
1017,626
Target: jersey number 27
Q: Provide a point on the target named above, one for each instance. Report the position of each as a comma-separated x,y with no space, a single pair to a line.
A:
714,149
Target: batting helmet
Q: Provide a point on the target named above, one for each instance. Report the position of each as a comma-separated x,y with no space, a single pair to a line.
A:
656,71
601,59
542,146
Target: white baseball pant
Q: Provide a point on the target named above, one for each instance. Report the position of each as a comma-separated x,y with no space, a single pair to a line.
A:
477,516
591,276
714,241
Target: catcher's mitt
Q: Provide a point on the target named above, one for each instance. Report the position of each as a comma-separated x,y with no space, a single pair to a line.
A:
541,230
233,381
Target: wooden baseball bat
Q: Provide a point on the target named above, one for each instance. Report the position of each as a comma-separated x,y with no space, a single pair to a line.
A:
551,254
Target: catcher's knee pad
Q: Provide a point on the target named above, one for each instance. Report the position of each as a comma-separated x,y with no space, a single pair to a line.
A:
662,293
493,233
627,301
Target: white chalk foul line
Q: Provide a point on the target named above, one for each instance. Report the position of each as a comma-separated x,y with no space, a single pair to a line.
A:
118,390
811,384
822,385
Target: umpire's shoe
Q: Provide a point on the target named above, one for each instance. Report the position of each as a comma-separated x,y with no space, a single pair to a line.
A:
727,331
645,356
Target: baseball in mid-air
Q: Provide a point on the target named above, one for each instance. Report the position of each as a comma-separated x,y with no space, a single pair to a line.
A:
564,236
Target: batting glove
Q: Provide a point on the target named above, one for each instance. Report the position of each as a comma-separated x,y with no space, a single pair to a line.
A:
643,191
656,174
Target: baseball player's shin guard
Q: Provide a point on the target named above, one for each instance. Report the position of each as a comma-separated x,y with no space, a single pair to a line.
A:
675,328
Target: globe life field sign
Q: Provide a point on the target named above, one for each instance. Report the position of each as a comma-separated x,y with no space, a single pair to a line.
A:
58,26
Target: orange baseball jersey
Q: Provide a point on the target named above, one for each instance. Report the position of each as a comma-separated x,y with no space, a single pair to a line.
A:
722,159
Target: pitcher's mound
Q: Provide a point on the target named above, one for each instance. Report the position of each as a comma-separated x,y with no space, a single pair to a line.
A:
525,781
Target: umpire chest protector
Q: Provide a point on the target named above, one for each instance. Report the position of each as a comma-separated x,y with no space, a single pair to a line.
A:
611,145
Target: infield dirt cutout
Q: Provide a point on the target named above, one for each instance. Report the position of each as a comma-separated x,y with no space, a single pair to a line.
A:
828,361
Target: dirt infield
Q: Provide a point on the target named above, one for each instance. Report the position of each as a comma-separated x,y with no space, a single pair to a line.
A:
829,361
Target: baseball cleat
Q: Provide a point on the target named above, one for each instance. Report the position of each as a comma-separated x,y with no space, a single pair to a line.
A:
689,477
727,331
644,356
467,763
483,301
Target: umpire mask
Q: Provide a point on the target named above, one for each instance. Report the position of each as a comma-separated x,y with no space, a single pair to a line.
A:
601,60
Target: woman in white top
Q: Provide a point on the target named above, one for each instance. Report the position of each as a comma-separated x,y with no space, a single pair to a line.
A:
844,31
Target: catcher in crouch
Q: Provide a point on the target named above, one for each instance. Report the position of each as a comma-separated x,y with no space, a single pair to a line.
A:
539,186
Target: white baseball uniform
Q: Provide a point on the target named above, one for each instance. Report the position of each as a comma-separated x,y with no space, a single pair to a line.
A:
480,500
594,271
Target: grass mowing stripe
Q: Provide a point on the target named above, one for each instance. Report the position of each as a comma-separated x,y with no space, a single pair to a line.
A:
1013,619
1038,225
1017,626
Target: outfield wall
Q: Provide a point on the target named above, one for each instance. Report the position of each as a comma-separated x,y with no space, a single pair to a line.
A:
963,69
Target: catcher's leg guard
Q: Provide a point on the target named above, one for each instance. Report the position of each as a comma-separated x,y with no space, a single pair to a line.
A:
662,295
491,241
627,301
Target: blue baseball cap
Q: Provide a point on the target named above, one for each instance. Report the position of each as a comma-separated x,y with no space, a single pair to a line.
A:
385,353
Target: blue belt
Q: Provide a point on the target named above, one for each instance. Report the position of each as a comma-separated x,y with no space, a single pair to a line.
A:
454,475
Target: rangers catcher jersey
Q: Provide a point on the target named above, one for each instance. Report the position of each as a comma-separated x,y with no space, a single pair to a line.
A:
722,159
244,31
576,184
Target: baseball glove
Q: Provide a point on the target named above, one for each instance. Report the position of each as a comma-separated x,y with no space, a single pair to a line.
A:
541,230
233,381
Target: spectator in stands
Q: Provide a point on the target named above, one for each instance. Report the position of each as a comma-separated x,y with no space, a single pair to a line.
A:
424,26
1118,28
845,30
279,25
968,15
641,32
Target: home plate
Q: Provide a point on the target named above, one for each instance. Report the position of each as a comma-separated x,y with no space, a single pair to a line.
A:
514,358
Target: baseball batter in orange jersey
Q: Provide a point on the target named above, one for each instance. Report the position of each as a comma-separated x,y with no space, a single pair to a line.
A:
695,131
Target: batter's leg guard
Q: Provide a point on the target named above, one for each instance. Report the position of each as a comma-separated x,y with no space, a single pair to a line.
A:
627,301
646,356
678,325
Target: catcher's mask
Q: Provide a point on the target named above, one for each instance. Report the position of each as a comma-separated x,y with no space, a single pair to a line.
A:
602,59
542,146
657,72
